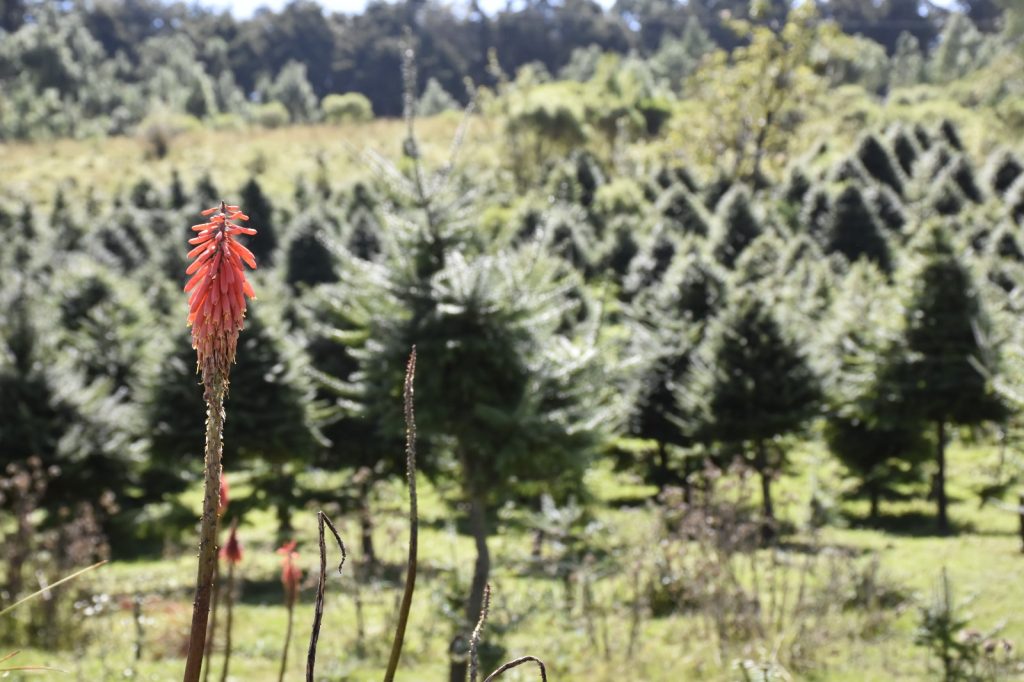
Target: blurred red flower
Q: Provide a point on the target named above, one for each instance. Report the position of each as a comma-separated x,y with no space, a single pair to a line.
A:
218,288
232,551
290,573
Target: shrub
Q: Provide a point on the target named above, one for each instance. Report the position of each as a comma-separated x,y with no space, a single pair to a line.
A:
345,108
271,115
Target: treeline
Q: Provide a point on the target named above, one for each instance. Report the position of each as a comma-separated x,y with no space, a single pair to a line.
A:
92,68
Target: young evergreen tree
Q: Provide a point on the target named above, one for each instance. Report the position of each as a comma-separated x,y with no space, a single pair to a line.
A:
270,430
853,231
261,217
860,355
905,149
682,211
943,382
1001,171
668,323
879,163
752,385
735,226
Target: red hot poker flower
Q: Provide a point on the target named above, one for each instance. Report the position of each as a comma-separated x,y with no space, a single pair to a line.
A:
218,288
290,573
232,551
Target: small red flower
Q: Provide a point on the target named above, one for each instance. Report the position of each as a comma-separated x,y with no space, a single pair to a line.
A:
218,288
224,494
290,573
232,551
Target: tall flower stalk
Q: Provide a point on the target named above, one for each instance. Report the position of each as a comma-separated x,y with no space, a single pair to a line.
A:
291,574
217,291
232,553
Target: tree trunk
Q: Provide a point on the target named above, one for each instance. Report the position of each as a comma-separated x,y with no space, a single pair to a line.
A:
662,473
875,495
940,477
481,573
366,525
761,464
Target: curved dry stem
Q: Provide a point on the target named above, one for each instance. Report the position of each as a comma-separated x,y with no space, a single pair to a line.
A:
516,663
318,613
47,588
410,471
474,640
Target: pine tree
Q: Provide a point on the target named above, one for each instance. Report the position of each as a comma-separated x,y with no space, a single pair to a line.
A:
682,211
270,426
905,149
668,322
735,226
887,208
862,351
853,231
943,384
261,217
752,385
1001,171
308,259
962,173
878,163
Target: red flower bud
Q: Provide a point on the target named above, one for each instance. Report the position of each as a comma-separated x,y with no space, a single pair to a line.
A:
232,551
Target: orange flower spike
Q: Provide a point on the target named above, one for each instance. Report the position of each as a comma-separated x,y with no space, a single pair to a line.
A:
218,288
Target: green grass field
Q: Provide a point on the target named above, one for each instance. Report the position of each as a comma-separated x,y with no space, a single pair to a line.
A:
583,640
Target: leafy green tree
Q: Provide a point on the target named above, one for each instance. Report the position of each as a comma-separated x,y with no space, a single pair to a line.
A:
752,385
735,226
292,89
943,382
852,230
350,107
907,63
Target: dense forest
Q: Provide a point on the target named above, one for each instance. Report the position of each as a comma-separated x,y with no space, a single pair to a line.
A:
716,308
84,68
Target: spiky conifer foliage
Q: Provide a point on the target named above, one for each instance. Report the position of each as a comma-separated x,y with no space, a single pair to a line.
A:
667,323
270,429
933,162
652,262
670,175
83,431
944,196
760,264
853,231
682,211
511,397
887,208
878,163
261,217
1015,201
796,185
735,226
849,170
962,173
905,149
308,258
860,353
751,385
1001,171
942,382
950,134
814,212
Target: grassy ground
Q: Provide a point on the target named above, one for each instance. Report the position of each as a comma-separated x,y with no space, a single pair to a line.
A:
532,612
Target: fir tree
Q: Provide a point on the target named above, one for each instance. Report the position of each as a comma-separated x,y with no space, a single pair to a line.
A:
943,383
682,211
878,163
1001,171
861,352
308,259
752,385
905,149
735,226
853,231
261,217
